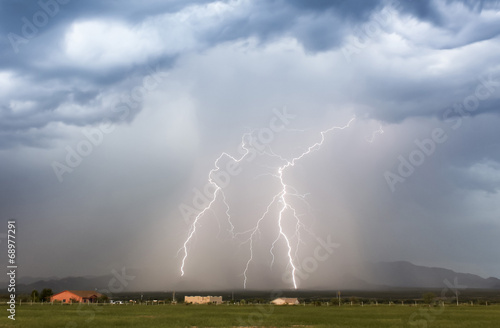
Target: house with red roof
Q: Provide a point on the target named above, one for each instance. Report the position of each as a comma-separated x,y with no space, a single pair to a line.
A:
76,296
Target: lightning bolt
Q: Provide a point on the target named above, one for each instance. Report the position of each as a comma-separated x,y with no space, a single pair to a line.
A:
372,138
281,198
217,190
250,240
282,195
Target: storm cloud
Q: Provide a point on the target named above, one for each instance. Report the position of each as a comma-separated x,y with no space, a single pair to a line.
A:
113,113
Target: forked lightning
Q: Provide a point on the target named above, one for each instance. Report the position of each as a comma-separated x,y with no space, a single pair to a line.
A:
282,198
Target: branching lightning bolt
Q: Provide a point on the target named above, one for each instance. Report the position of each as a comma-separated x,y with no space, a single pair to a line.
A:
281,198
218,190
250,240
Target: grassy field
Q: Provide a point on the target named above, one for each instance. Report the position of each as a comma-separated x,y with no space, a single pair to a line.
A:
250,316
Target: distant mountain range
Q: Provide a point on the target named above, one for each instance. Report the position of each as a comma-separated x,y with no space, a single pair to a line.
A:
26,285
406,274
381,275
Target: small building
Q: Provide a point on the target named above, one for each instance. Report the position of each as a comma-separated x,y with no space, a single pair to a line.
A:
76,296
203,299
287,301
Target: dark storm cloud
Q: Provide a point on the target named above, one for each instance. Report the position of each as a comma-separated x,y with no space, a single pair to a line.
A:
228,64
355,13
51,86
317,25
12,11
357,9
400,98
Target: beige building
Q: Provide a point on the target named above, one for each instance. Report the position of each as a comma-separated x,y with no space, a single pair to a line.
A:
203,299
283,301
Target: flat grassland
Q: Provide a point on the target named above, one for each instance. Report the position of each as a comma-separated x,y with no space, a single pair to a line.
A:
72,316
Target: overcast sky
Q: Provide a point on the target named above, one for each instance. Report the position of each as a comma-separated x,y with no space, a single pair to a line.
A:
112,115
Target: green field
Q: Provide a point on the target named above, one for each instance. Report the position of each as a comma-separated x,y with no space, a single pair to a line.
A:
250,316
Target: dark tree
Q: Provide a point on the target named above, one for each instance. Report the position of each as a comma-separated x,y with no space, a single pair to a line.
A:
35,296
46,294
